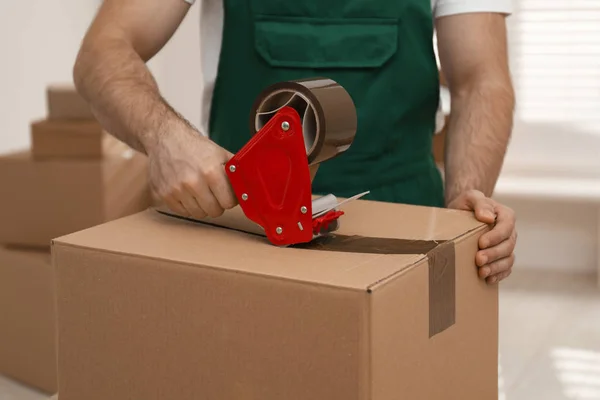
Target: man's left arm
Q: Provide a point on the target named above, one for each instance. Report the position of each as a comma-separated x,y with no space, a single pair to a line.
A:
473,55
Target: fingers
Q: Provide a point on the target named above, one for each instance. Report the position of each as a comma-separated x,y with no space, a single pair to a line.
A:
503,229
220,188
223,192
497,252
202,194
191,205
497,267
175,205
496,258
212,191
485,210
187,171
498,277
207,194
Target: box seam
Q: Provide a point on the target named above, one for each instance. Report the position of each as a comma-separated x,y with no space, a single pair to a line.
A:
58,245
408,267
368,390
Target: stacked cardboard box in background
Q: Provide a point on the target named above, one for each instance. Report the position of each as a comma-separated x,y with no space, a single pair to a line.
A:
75,176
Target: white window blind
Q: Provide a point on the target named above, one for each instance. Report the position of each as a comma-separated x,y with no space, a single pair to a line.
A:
554,50
555,62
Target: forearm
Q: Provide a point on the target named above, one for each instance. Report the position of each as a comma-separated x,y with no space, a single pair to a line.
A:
478,134
122,93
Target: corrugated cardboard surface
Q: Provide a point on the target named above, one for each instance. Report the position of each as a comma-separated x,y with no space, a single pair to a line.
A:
198,311
63,102
460,363
68,139
46,199
28,318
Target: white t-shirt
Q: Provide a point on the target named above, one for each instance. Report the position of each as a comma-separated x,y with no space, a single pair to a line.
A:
211,27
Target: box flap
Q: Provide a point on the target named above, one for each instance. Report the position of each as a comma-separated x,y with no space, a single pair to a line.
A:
150,234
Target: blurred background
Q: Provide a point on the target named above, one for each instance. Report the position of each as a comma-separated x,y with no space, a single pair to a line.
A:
550,307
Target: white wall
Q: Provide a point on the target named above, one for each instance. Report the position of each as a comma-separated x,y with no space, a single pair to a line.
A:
555,235
179,64
39,40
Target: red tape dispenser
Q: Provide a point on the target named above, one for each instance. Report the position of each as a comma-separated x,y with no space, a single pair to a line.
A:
298,125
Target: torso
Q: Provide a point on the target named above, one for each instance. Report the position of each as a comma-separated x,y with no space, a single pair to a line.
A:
381,52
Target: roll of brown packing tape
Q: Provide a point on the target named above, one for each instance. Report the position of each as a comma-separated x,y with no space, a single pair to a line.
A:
326,110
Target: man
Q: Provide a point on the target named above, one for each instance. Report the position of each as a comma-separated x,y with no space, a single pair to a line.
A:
381,51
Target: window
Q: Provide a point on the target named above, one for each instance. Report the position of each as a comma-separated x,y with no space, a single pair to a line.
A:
555,60
555,64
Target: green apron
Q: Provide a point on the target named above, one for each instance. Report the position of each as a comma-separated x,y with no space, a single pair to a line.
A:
380,51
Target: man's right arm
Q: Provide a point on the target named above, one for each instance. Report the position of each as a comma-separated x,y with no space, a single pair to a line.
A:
111,72
186,169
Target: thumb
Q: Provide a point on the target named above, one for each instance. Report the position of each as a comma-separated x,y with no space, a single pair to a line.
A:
227,155
473,198
485,210
467,200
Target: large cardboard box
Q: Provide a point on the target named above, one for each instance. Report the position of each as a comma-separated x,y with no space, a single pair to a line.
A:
389,308
69,139
28,318
46,199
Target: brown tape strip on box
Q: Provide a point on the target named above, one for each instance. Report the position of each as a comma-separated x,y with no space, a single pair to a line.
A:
369,245
442,269
442,288
440,256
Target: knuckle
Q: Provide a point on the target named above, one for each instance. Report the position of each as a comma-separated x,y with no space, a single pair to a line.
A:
494,269
230,202
501,267
503,275
493,253
171,196
511,212
175,206
211,207
217,212
162,194
212,175
175,191
189,183
503,209
198,213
